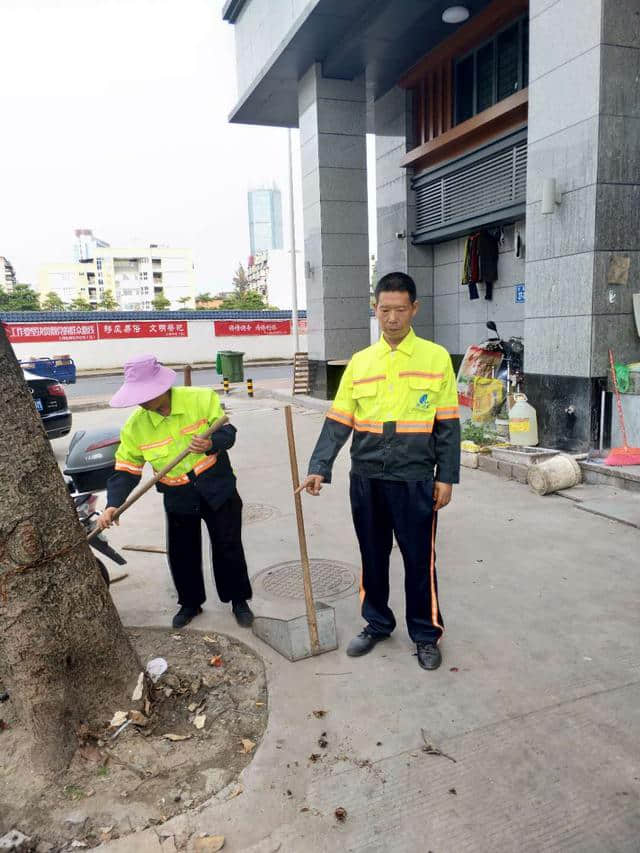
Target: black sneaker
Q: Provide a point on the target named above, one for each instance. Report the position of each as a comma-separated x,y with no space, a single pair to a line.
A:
185,615
363,643
243,613
429,656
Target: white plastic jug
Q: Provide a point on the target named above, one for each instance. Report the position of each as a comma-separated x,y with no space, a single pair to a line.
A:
523,422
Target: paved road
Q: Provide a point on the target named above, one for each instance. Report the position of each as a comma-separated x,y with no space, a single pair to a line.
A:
98,386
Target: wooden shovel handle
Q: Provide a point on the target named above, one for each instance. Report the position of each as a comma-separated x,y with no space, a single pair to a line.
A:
142,489
302,539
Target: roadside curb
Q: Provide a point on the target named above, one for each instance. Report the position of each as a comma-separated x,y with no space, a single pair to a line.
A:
88,405
303,400
96,374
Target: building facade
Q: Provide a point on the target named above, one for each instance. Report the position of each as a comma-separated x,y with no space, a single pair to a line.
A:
7,275
265,220
133,276
511,119
269,274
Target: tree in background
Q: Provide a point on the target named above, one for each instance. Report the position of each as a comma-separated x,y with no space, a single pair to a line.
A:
160,302
52,302
240,281
251,300
184,301
108,301
204,297
80,304
21,298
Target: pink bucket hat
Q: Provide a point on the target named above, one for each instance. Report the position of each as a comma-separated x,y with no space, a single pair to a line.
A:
144,379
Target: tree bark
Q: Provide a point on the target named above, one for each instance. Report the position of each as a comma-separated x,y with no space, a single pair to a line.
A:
64,653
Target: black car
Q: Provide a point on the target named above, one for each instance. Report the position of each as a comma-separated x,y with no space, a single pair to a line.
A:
51,402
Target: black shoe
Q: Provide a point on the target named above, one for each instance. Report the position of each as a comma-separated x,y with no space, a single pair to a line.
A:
429,656
243,613
185,615
363,643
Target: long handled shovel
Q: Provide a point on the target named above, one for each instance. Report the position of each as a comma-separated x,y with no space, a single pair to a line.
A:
144,487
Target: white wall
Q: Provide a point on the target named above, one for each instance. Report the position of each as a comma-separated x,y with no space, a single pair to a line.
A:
200,346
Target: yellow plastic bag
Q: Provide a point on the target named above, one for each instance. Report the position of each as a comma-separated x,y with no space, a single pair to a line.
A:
488,396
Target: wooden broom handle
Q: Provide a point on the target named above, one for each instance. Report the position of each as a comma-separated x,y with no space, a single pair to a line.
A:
618,400
142,489
304,556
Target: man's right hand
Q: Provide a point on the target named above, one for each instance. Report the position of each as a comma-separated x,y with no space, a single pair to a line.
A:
107,519
312,484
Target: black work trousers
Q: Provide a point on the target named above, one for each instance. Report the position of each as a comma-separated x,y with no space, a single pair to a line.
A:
184,546
382,508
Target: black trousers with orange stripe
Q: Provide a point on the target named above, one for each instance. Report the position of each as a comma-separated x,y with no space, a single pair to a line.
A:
382,508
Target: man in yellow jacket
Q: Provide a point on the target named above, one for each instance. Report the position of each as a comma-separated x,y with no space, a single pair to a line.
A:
399,397
200,488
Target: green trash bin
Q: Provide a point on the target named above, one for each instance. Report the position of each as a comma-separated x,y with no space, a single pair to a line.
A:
231,365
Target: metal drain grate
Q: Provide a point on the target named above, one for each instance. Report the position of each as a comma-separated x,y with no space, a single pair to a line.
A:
257,512
330,578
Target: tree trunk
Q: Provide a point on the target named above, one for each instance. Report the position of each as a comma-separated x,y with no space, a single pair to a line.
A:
64,653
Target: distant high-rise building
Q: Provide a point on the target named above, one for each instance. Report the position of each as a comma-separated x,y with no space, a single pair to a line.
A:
265,220
86,244
7,275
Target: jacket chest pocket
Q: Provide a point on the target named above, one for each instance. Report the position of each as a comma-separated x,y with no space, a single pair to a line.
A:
365,394
424,392
157,452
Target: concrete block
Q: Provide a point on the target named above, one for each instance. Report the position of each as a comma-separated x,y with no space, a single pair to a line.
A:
559,286
618,223
568,231
308,125
392,193
388,166
343,184
345,281
446,253
620,93
341,151
559,346
472,333
390,221
570,155
621,23
345,312
617,331
392,256
342,117
418,256
486,463
389,109
565,96
448,337
423,278
614,298
473,310
554,43
504,307
344,217
510,269
469,460
618,151
446,309
447,278
342,343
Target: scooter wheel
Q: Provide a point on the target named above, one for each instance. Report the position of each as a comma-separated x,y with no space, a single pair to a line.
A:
103,572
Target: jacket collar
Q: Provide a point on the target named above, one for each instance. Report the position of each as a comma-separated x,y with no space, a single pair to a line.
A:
406,345
177,408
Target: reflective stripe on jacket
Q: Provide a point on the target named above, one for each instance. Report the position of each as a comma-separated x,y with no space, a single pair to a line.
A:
402,405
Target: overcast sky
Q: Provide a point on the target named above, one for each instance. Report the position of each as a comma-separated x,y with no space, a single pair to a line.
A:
113,116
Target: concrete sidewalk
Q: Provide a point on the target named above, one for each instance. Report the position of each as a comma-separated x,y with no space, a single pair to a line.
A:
537,702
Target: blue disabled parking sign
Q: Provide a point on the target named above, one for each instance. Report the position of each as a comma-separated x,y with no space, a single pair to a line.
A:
519,292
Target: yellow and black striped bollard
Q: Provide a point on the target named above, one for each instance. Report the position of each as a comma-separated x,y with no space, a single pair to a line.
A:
225,385
250,387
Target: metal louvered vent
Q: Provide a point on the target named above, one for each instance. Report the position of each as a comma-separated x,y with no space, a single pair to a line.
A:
472,191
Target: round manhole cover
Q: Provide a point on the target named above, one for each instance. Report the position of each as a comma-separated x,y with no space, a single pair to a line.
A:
330,580
257,512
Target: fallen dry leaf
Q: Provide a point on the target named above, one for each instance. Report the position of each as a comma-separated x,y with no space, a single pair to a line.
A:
138,719
171,736
453,669
199,721
319,714
193,706
216,660
341,814
208,844
136,696
259,704
239,790
118,719
208,639
247,745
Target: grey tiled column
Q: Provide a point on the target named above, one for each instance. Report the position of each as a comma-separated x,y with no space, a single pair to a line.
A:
395,204
584,119
334,195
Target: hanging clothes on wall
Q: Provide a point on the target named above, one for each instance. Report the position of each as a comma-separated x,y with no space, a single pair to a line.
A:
480,263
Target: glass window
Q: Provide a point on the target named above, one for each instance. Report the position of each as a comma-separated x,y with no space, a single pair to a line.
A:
464,89
485,77
508,62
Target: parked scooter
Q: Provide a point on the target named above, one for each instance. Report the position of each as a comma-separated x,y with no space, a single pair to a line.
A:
89,464
511,368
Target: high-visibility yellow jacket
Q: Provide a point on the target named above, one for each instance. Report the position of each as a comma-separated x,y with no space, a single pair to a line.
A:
402,405
153,438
